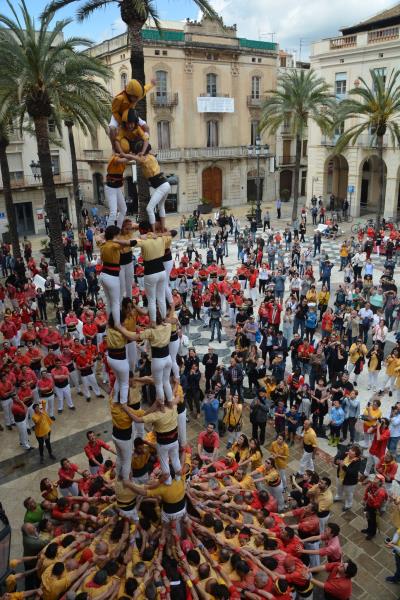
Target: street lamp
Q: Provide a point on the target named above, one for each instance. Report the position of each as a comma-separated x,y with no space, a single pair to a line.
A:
260,151
36,170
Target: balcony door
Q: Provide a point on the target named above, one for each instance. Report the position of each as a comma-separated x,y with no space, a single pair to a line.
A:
212,185
24,215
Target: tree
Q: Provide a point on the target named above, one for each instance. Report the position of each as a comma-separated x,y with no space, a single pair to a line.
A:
134,14
5,130
376,110
45,70
300,96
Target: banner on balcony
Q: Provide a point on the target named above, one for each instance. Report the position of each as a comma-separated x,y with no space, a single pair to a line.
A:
209,104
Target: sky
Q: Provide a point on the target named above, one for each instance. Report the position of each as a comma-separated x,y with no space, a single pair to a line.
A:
294,24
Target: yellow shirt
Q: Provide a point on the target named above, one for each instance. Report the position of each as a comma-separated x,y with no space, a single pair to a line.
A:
170,494
283,450
115,339
119,417
134,134
153,248
115,166
130,322
233,414
126,236
150,166
255,459
323,298
392,363
373,363
121,102
42,423
244,453
110,252
310,438
247,483
163,421
140,460
344,251
323,499
158,336
52,586
125,496
271,477
375,414
356,352
311,296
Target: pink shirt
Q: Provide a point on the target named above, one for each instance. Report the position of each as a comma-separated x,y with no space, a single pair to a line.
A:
331,549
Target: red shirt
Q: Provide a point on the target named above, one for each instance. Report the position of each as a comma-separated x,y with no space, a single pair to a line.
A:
208,441
375,496
65,475
22,359
30,377
49,360
378,447
34,355
52,340
46,386
29,335
89,330
338,586
25,394
8,329
5,389
93,451
388,470
60,376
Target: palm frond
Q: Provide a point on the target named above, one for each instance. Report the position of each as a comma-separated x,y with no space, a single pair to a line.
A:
89,7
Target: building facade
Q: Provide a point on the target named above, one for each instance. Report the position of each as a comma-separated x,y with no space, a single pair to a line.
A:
372,44
203,113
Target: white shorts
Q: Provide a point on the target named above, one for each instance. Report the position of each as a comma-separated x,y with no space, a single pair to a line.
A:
168,517
132,515
114,123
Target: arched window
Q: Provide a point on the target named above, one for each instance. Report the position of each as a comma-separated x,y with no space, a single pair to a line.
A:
211,84
163,134
162,84
124,79
255,87
254,132
212,134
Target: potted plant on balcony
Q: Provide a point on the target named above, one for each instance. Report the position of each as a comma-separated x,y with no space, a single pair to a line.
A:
205,207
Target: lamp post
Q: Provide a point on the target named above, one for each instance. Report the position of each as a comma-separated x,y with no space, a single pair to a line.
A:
260,151
36,170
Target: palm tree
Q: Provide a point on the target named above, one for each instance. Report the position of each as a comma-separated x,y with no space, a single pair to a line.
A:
134,13
376,110
44,69
6,127
300,96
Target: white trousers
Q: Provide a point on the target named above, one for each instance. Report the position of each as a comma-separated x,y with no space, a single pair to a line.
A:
155,285
49,405
373,379
323,521
390,379
167,452
138,430
372,461
74,376
306,462
158,199
131,350
345,493
173,351
116,205
112,292
277,493
282,473
314,558
168,268
232,316
253,294
22,427
121,386
126,277
90,380
182,428
161,370
8,416
124,457
62,393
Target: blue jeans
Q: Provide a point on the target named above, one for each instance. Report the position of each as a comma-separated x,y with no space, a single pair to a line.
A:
298,323
215,324
392,447
327,282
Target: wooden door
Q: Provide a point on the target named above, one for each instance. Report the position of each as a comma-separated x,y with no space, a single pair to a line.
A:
212,185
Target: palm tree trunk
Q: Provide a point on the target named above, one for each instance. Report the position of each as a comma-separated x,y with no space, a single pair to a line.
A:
137,65
75,178
296,178
51,202
8,199
381,201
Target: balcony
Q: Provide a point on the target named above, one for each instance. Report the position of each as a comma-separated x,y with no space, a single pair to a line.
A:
29,181
178,154
329,141
366,140
171,154
254,102
345,41
93,155
383,35
164,100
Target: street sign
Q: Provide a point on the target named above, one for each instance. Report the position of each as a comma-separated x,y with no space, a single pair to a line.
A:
351,189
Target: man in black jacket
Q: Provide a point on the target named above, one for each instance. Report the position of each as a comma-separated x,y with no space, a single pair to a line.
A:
210,362
258,417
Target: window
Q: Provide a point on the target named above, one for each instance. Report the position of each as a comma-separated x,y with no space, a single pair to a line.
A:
55,164
255,87
283,61
165,52
259,60
52,126
15,166
304,148
339,129
161,89
303,183
286,122
212,134
253,60
124,80
381,71
157,52
163,134
211,84
254,131
340,84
